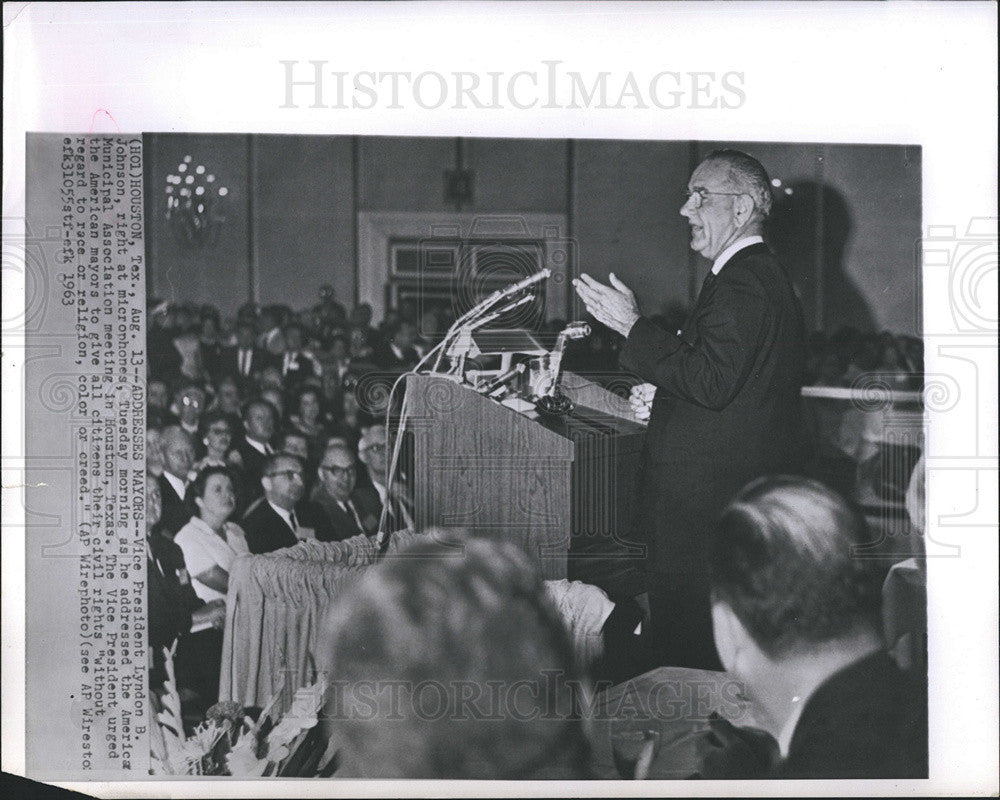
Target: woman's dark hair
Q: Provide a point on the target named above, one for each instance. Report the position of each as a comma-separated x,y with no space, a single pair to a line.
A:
210,418
197,487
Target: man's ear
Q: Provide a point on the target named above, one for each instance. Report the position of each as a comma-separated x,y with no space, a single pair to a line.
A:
730,635
743,208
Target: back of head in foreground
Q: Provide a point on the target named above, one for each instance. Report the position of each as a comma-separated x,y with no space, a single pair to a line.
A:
448,661
796,605
789,561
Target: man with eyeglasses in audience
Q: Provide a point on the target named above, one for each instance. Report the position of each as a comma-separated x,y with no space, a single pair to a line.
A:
281,518
338,474
370,499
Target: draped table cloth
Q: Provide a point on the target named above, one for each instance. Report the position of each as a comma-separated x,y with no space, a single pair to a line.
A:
274,615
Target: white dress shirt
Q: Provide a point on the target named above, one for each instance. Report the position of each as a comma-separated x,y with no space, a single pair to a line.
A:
178,485
732,250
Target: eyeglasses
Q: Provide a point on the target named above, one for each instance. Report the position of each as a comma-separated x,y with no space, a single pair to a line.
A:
286,473
219,430
697,196
378,448
339,471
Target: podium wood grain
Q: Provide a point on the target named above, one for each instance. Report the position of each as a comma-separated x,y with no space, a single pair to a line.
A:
483,467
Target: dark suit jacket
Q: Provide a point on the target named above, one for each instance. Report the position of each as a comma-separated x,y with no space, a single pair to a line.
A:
726,408
867,721
369,505
227,363
171,599
266,531
342,524
175,514
253,467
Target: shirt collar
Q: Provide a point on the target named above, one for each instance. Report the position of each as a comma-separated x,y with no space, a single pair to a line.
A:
732,250
258,446
788,730
282,513
178,485
198,524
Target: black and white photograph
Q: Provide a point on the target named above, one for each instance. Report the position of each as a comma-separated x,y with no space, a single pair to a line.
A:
360,347
498,454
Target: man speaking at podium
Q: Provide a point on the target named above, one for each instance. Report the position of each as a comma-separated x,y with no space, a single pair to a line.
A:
726,406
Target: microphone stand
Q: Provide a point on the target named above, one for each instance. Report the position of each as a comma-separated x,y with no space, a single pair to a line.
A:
472,319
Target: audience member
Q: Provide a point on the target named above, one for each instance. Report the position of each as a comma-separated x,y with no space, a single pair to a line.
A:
188,405
244,359
281,518
259,419
298,364
210,543
796,614
371,498
178,458
337,477
174,610
455,620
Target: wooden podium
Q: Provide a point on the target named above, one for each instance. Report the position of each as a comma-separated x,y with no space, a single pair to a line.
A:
561,487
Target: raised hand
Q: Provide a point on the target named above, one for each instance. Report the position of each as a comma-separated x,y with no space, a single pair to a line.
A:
612,305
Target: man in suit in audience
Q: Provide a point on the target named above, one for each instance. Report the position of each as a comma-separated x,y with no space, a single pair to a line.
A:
337,475
280,518
727,394
398,351
178,457
259,419
244,359
797,620
297,363
370,498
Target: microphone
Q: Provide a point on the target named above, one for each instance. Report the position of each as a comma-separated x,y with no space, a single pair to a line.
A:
462,343
500,294
576,330
500,380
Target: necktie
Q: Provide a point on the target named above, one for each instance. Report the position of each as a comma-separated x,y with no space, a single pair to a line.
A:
244,362
709,280
295,523
354,513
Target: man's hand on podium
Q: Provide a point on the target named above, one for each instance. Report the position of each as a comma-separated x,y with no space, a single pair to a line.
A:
641,399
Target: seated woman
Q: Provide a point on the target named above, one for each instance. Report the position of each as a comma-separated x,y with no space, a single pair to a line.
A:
217,438
210,543
307,416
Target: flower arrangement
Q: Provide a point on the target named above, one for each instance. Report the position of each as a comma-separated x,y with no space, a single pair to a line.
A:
230,742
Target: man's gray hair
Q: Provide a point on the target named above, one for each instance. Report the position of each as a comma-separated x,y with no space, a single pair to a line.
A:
747,174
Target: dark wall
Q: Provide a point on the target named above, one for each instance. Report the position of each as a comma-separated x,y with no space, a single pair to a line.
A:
847,232
303,218
626,201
